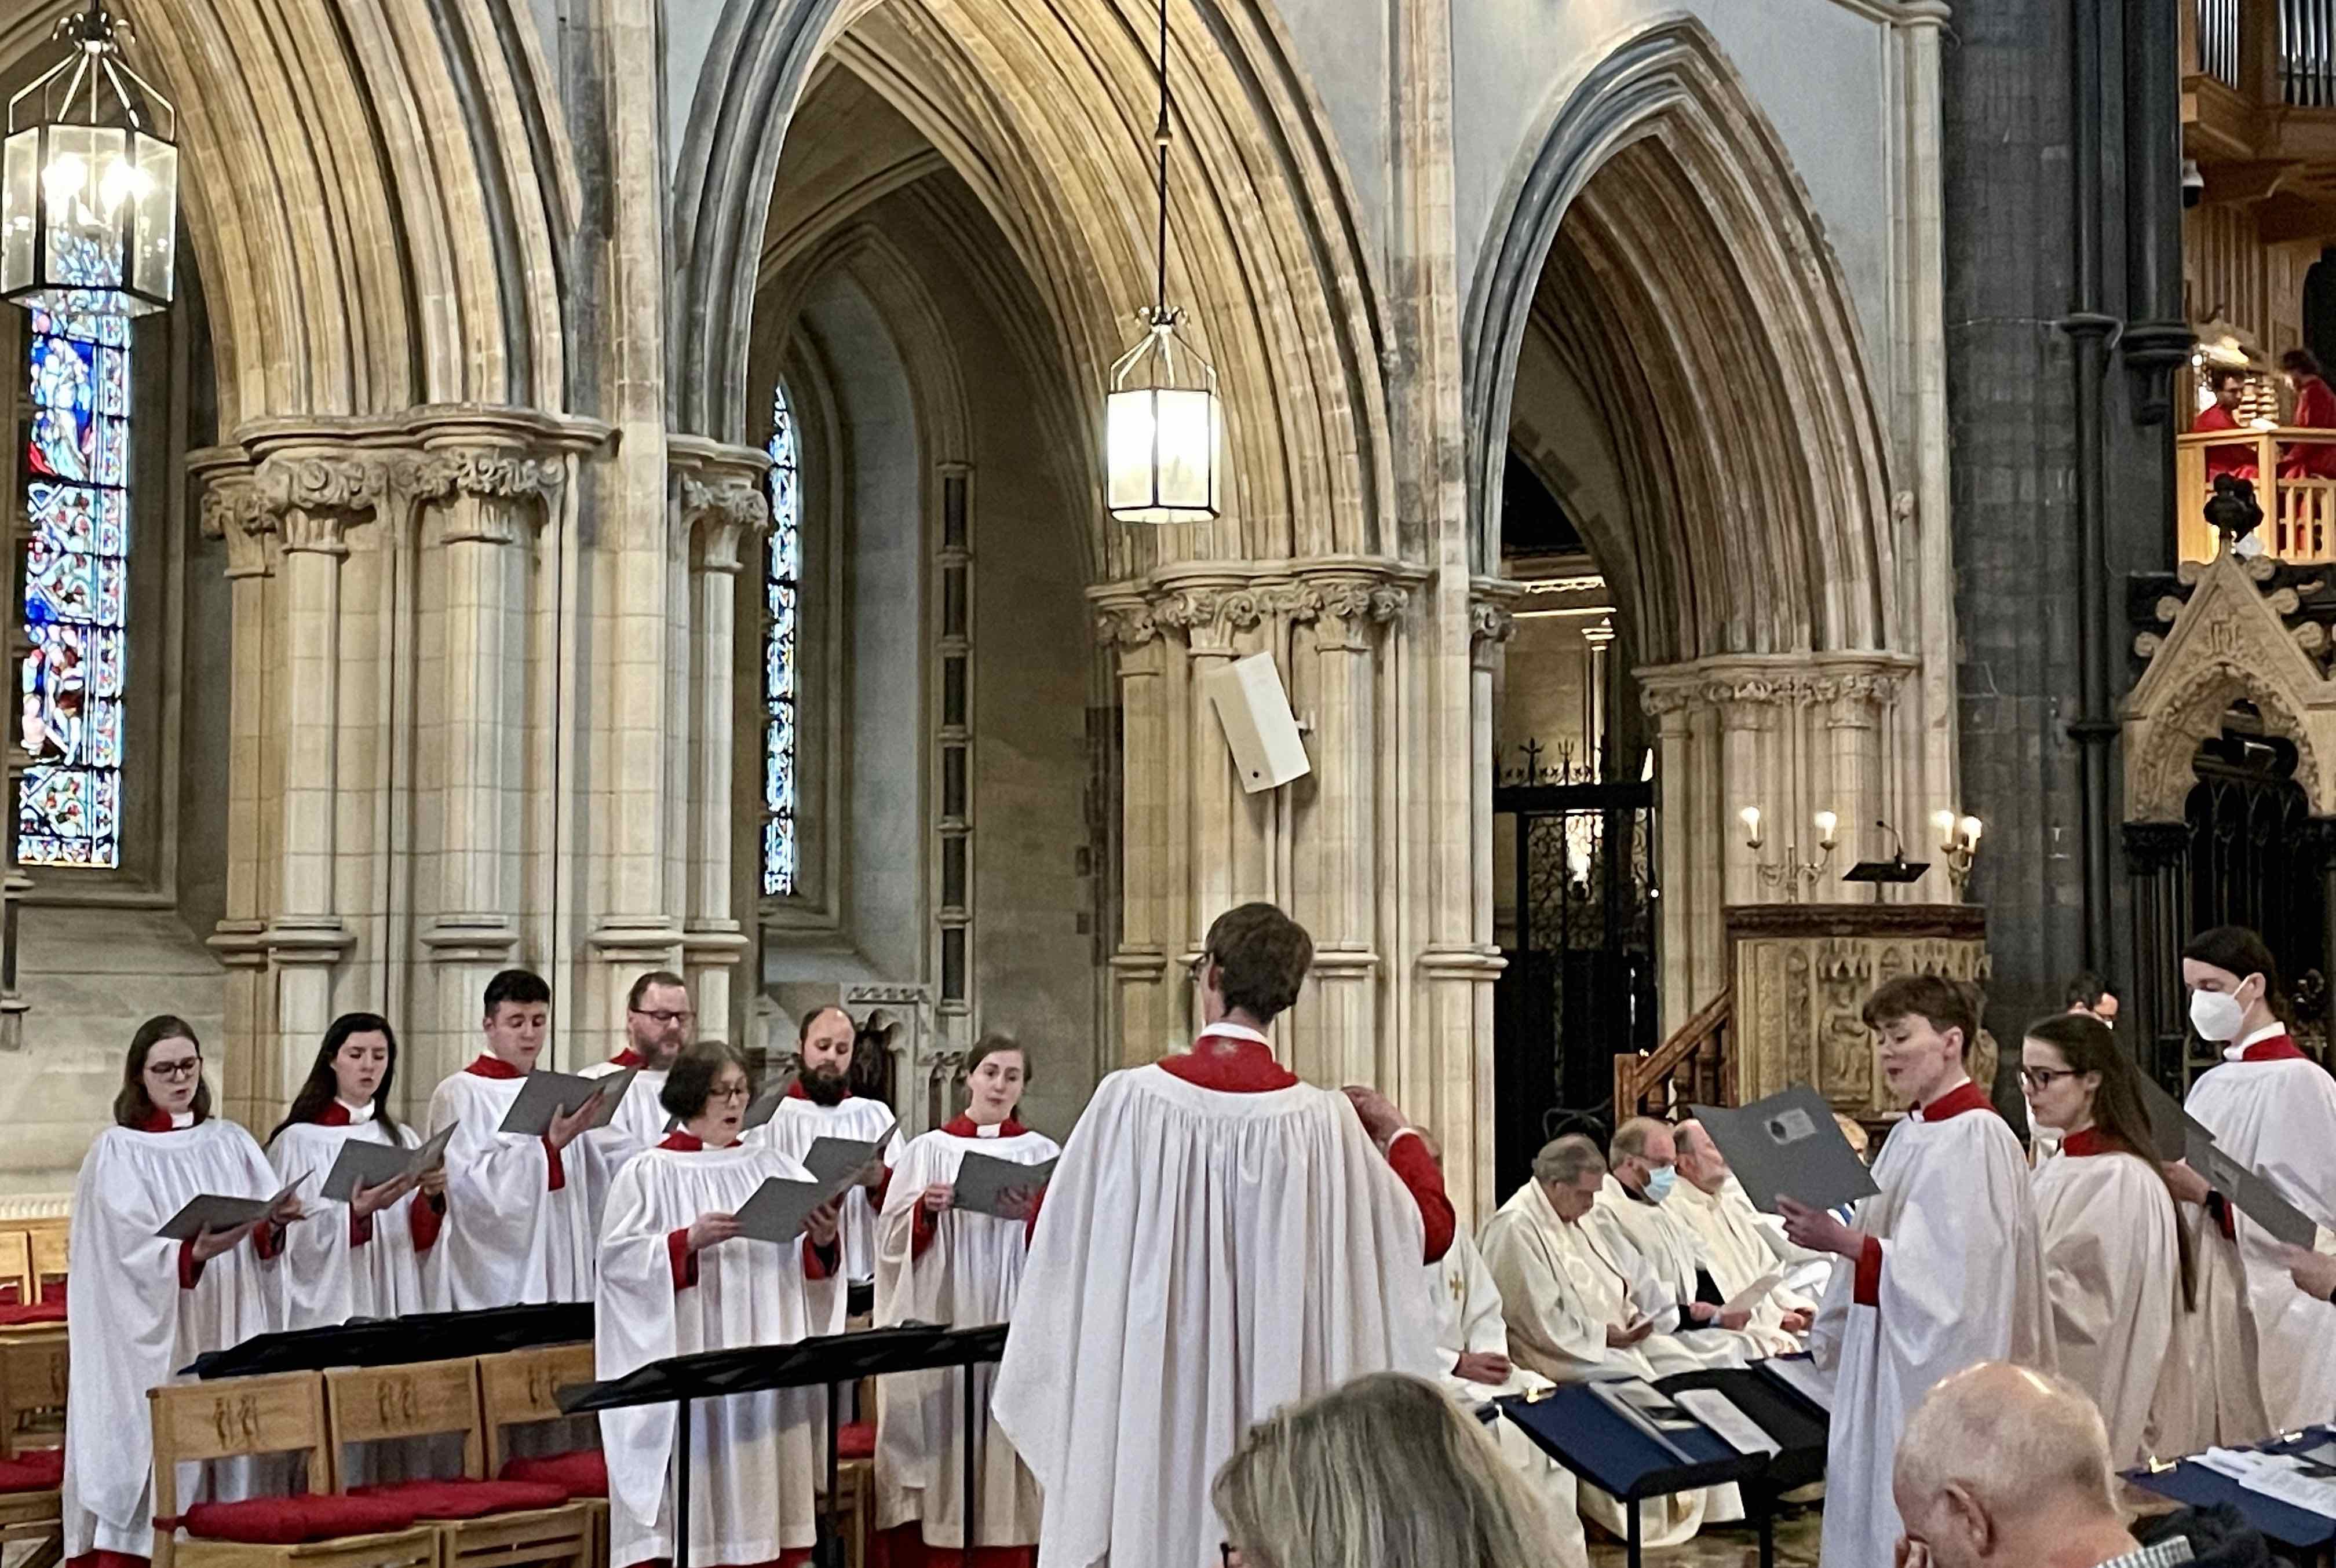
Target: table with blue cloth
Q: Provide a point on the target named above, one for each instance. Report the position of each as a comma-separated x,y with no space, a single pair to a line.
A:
2311,1536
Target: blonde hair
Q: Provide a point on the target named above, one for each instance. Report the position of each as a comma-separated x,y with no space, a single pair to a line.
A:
1385,1470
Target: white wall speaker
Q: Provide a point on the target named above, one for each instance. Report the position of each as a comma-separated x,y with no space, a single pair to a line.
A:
1254,709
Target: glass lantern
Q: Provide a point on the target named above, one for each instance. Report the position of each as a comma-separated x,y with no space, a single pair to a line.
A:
1164,434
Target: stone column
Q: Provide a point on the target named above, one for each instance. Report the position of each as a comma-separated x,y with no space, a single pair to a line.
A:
1150,1009
1227,865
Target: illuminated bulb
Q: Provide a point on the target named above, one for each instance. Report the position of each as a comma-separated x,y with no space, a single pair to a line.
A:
1945,822
1826,823
122,180
64,177
1971,826
1751,817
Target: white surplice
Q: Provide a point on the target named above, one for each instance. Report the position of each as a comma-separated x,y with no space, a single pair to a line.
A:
1562,1286
639,1124
327,1278
1204,1258
1469,1321
2279,1117
799,1123
2114,1274
1740,1251
1962,1281
511,1236
1669,1249
131,1327
967,1274
756,1459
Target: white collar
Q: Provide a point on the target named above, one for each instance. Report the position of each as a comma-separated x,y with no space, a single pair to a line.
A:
358,1113
2237,1050
181,1120
1233,1031
991,1131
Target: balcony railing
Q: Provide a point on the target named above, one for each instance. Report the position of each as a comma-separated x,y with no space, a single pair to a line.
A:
2299,510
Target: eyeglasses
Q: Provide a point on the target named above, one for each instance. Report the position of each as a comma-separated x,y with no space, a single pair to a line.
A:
186,1067
663,1019
731,1092
2041,1078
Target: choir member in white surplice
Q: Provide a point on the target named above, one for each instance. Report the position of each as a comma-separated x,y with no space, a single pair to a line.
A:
2274,1110
1636,1205
1942,1270
2113,1261
1220,1239
1472,1345
676,1278
365,1258
518,1208
822,1105
1580,1307
1740,1250
143,1308
657,1020
938,1264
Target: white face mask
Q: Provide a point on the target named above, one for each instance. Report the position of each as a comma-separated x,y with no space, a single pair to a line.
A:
2216,1015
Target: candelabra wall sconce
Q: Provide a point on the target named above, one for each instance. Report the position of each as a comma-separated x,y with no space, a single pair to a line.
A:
1792,874
1958,845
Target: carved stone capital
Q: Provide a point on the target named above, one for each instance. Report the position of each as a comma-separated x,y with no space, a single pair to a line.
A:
488,472
235,513
721,514
1853,688
1491,619
315,498
1125,623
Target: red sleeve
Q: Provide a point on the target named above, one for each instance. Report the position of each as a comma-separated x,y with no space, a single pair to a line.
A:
921,1230
883,1185
558,1176
2219,1207
683,1261
822,1262
266,1240
425,1217
1409,1156
360,1230
190,1271
1030,1226
1868,1280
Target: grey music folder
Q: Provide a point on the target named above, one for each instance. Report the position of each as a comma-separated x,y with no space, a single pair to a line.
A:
782,1206
2171,1128
2252,1194
214,1212
846,1159
1787,1146
985,1184
547,1094
366,1163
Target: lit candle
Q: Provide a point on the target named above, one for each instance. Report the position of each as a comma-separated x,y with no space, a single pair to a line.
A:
1971,826
1945,822
1826,823
1750,816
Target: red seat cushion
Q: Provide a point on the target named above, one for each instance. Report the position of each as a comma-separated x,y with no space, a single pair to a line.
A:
460,1499
38,1312
580,1473
288,1521
856,1441
36,1470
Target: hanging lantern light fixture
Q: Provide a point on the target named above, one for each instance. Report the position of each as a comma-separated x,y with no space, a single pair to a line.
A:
88,181
1164,430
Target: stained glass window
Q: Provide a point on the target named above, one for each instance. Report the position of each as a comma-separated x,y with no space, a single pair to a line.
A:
76,590
782,622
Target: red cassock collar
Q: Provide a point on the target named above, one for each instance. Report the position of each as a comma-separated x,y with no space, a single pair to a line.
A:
796,1092
2277,1048
962,1126
334,1115
628,1057
493,1066
158,1120
1229,1064
1964,1096
682,1142
2077,1145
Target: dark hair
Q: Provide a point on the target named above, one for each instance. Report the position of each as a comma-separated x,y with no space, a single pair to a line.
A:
323,1085
2085,989
1946,1004
2119,1114
654,978
2299,362
1262,957
2221,375
2239,951
690,1084
996,1042
520,985
803,1029
132,1105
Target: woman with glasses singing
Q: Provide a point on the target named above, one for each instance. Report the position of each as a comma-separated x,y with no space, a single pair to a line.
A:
677,1275
2116,1270
143,1307
364,1257
937,1262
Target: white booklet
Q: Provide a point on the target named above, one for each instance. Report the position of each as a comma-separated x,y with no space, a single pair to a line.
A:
1753,1294
1719,1412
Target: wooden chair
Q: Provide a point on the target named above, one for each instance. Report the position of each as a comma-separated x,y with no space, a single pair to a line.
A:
16,1281
33,1365
856,1483
283,1413
45,1239
375,1404
522,1389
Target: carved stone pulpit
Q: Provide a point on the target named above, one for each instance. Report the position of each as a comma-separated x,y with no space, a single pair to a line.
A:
1799,976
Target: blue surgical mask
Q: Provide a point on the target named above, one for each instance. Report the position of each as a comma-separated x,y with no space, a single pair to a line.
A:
1658,1183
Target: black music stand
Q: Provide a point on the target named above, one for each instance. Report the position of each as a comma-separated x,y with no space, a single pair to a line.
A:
1895,871
833,1360
400,1342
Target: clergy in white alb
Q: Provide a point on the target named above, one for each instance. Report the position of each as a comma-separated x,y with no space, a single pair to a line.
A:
1580,1308
677,1278
519,1207
2113,1265
657,1020
1738,1249
1942,1270
820,1104
1635,1209
368,1257
1218,1240
143,1306
2274,1110
1472,1344
936,1263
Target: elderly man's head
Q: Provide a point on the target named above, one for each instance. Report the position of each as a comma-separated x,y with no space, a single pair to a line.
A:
2002,1466
1570,1171
1699,1159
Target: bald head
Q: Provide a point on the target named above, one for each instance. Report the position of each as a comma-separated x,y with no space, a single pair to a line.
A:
1998,1457
1699,1159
